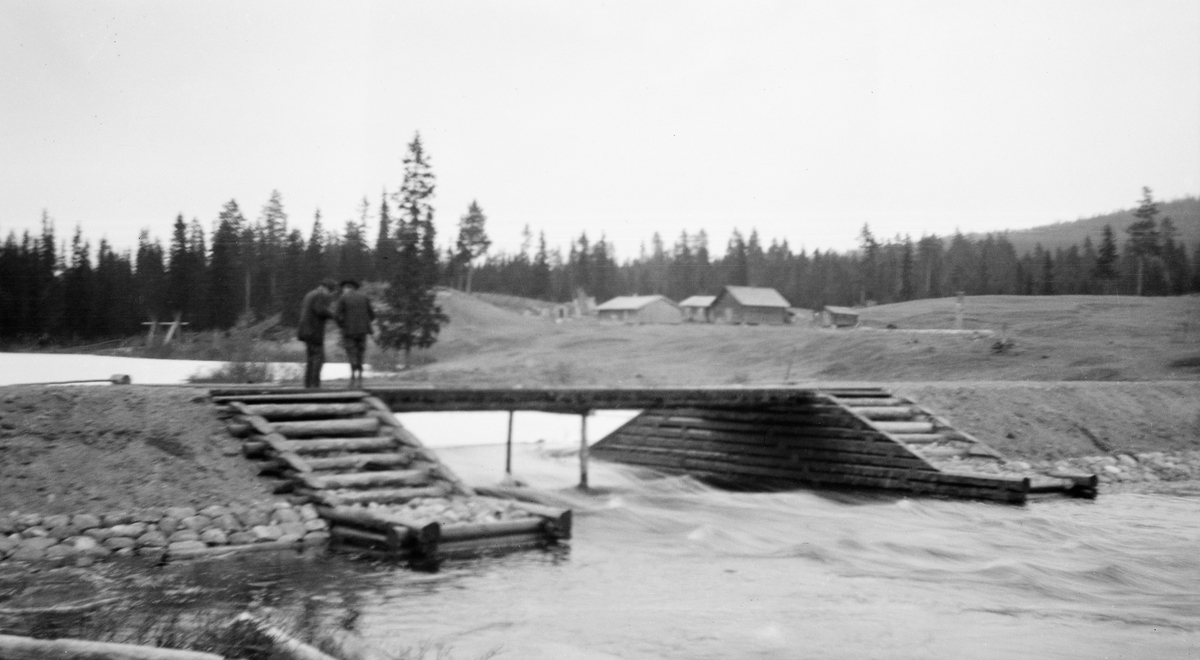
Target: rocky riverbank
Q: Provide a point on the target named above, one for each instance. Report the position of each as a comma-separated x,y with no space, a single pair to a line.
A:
156,534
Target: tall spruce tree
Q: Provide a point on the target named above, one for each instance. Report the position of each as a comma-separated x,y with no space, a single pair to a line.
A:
1143,235
413,318
179,271
354,261
473,241
385,245
1106,259
313,270
225,277
272,237
78,289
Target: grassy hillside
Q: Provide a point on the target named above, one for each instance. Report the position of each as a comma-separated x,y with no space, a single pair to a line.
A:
1056,338
1184,212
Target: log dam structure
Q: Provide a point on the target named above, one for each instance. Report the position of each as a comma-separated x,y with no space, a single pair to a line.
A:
736,436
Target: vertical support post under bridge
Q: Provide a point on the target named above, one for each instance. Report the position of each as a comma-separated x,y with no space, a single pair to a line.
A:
583,451
508,447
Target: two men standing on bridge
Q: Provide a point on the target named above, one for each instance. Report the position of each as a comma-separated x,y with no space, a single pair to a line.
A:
353,313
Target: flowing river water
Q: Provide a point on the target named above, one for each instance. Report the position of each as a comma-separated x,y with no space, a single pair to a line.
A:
666,567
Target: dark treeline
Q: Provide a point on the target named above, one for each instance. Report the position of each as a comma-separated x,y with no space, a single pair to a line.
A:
51,288
879,272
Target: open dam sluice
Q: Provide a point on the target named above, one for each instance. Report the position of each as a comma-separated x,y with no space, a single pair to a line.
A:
776,437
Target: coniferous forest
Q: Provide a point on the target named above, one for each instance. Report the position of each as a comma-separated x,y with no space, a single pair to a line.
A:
256,264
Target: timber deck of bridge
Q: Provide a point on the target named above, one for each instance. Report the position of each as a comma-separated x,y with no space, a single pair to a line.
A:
777,437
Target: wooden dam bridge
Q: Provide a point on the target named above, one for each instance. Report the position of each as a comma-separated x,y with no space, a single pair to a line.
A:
346,447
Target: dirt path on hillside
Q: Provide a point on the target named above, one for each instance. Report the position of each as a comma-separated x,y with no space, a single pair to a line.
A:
117,448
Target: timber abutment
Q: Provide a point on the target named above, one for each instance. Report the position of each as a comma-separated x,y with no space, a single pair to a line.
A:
374,484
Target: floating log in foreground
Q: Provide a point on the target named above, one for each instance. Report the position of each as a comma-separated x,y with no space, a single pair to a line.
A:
283,644
229,550
13,647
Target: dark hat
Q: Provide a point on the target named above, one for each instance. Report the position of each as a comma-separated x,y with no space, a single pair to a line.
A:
329,283
350,282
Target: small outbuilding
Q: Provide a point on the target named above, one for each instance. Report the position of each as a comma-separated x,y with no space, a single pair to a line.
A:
640,309
696,308
750,305
839,317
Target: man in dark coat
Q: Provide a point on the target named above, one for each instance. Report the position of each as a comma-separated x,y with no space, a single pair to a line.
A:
314,312
354,315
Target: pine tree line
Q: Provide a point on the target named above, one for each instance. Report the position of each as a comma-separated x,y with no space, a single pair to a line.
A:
57,290
879,272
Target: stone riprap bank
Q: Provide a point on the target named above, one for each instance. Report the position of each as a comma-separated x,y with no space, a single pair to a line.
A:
174,532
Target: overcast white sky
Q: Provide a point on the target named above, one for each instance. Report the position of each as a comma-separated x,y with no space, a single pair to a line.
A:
802,119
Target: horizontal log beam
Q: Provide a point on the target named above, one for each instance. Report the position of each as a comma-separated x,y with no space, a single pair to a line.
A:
751,443
579,399
359,536
852,481
747,465
293,411
789,454
920,438
366,479
255,395
401,458
904,427
399,530
468,531
886,413
327,427
325,445
874,402
386,495
494,544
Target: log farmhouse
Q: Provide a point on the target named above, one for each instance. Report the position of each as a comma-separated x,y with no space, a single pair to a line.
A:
640,309
750,305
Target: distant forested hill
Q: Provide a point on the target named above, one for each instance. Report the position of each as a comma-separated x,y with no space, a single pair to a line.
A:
1184,212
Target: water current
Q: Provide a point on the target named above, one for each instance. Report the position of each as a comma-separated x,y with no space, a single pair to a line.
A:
666,567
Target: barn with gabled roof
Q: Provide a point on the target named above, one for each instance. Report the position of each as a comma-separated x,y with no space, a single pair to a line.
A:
750,305
640,309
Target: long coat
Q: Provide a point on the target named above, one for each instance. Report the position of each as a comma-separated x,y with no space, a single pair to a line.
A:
353,313
314,311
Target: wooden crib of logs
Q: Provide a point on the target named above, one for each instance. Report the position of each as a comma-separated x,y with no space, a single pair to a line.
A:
362,530
341,450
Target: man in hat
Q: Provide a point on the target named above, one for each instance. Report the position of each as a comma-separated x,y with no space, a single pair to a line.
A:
314,312
354,315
